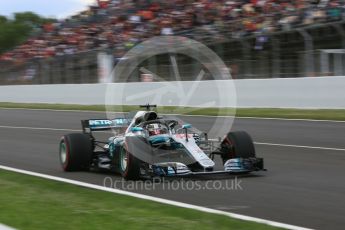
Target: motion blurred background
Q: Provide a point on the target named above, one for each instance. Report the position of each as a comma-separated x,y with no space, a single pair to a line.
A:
255,39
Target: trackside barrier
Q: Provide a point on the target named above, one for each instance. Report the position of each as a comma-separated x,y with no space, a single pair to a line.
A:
313,92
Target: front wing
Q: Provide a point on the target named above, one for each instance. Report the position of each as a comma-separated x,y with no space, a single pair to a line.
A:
232,166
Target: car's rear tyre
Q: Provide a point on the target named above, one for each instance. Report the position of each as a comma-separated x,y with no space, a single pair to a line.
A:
75,152
237,144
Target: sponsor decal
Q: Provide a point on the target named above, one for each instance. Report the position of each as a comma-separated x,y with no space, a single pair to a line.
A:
100,122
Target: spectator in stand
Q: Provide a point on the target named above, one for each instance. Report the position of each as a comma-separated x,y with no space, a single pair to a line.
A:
123,23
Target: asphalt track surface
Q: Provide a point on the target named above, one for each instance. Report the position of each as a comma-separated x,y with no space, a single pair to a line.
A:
303,186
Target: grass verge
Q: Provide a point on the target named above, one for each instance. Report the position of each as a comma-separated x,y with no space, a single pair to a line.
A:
28,202
317,114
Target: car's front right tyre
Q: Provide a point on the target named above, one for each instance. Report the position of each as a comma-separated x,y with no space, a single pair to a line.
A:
129,165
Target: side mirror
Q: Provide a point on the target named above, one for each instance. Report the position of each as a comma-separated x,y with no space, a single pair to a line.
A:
137,129
186,126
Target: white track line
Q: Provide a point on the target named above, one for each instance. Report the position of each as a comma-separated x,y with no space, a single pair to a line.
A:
289,119
63,110
182,115
258,143
5,227
156,199
38,128
259,118
300,146
58,110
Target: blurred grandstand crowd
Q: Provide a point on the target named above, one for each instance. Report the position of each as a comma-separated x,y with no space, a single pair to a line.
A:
120,24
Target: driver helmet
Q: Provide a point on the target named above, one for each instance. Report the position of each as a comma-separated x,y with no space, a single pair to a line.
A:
155,129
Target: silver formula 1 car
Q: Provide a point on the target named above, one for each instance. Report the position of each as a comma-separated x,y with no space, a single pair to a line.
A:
147,145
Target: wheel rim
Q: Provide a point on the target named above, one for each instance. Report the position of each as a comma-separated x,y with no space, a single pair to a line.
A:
123,160
63,153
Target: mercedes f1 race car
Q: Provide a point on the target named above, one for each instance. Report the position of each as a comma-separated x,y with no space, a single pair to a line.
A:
147,145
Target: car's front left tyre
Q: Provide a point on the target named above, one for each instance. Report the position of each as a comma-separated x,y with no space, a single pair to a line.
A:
237,144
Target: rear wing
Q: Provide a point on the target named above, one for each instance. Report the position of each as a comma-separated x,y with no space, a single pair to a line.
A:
148,106
104,124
